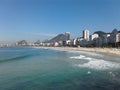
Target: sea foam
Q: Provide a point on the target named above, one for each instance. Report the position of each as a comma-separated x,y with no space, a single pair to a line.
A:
100,64
78,57
81,57
94,63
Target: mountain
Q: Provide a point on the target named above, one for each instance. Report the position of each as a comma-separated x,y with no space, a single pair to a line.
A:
115,31
100,33
37,42
60,37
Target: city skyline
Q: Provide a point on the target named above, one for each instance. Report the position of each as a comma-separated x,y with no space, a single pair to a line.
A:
39,20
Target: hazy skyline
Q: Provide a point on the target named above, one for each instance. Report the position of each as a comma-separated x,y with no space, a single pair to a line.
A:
43,19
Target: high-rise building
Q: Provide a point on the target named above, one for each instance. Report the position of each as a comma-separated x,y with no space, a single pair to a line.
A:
86,34
118,37
67,36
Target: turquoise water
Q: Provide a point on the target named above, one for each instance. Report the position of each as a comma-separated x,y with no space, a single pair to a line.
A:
45,69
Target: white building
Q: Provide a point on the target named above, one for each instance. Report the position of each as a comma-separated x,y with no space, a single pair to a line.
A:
67,36
107,34
118,37
93,36
68,42
74,42
56,44
86,34
113,36
60,43
106,38
79,41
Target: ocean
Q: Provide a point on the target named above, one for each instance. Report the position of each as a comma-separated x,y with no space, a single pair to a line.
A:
25,68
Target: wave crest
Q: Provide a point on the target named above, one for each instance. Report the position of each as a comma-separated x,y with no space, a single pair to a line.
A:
94,63
15,58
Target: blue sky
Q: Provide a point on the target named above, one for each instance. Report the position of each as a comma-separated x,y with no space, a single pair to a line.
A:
43,19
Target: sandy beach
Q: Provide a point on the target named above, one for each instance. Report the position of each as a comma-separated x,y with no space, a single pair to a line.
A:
110,51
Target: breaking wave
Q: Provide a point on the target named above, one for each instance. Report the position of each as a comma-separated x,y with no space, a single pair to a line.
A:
100,64
94,63
81,57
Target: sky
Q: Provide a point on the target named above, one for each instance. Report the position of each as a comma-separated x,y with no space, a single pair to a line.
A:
43,19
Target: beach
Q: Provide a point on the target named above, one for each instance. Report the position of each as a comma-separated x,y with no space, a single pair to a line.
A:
109,51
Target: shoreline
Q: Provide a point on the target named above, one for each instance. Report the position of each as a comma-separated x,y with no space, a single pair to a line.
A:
108,51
